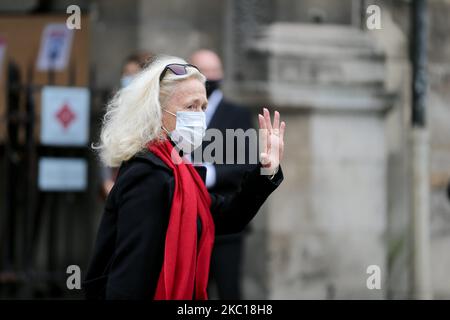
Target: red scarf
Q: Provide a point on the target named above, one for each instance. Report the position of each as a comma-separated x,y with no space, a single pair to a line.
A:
185,268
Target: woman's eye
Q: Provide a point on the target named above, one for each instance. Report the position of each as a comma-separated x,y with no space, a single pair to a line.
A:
190,107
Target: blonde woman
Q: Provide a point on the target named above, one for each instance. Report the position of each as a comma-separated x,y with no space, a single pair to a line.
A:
158,227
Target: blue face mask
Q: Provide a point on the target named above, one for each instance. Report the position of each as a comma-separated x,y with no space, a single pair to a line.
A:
125,81
189,130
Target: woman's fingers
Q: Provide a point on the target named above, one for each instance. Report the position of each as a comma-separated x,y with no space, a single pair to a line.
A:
282,128
268,128
276,120
267,118
271,133
262,122
262,133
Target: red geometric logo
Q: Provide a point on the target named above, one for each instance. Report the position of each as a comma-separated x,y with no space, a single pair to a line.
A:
65,115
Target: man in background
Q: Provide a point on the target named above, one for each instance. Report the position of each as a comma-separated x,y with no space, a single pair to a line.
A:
226,260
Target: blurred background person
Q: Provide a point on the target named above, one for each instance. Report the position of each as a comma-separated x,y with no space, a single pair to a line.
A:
132,66
221,114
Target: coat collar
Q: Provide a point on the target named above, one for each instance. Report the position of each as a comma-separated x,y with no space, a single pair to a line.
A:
151,157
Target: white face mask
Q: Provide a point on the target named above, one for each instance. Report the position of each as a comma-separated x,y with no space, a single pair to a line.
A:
125,81
189,130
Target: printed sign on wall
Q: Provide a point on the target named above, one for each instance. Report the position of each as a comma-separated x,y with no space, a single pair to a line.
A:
65,116
56,43
62,174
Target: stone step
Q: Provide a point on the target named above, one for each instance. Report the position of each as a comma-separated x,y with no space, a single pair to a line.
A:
317,40
319,54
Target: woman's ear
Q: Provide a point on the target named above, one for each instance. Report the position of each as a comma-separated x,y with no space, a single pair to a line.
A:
168,121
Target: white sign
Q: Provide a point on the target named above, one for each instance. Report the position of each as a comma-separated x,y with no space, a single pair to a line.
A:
65,116
62,174
56,43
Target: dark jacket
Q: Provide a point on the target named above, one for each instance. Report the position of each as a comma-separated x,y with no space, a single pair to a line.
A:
229,176
129,249
230,116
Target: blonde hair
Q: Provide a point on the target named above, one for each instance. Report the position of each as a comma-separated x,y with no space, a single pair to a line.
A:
133,116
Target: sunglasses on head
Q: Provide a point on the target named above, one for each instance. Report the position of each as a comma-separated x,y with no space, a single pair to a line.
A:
177,69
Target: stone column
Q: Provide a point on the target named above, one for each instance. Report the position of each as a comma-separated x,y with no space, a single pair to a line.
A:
326,224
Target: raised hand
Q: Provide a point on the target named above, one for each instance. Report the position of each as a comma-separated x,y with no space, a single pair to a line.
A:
271,137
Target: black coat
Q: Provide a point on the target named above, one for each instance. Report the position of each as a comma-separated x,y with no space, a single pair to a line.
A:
129,249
